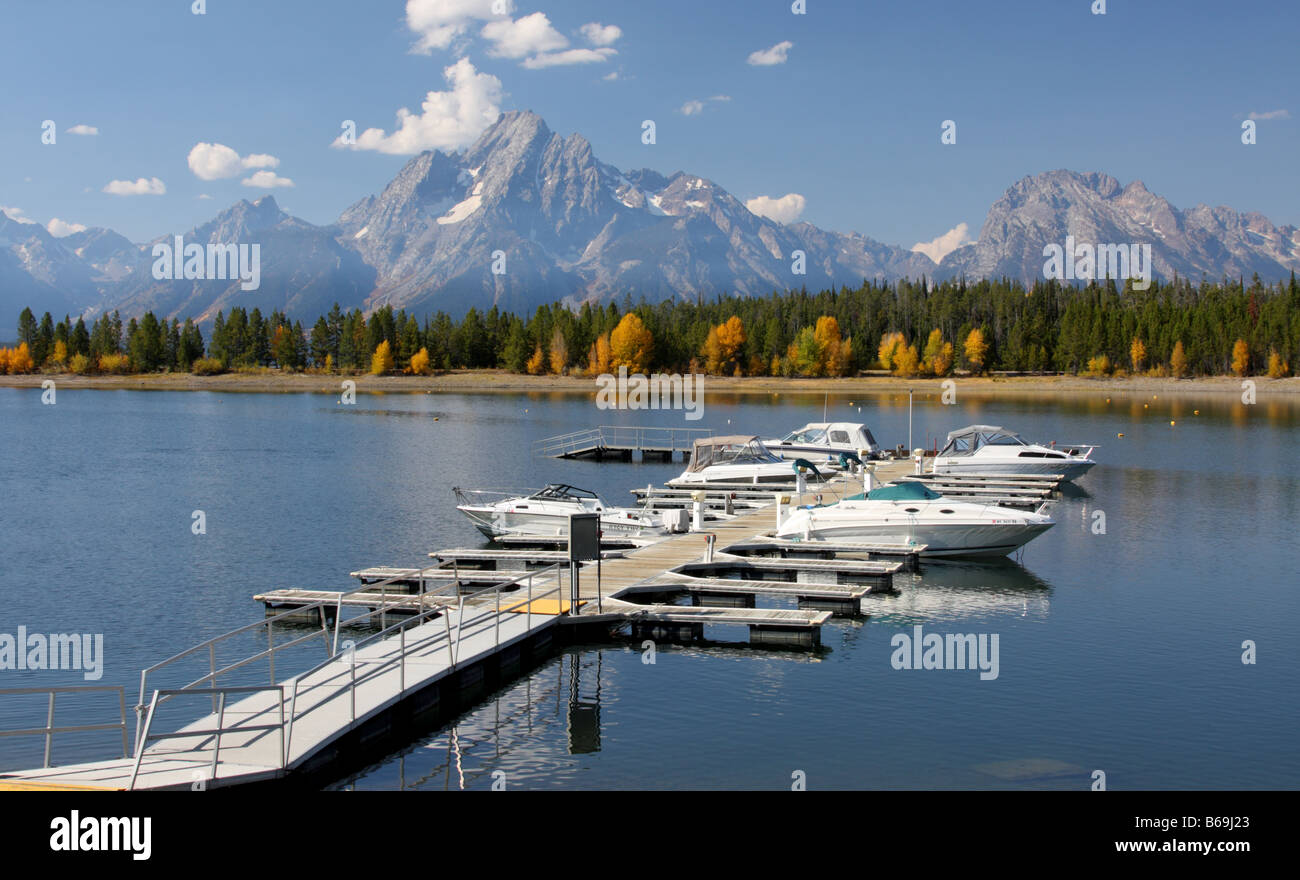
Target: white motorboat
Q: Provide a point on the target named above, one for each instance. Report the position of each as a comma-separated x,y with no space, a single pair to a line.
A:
545,513
738,458
911,513
820,442
985,449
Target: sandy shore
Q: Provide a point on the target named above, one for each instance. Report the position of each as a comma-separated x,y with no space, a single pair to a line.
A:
480,381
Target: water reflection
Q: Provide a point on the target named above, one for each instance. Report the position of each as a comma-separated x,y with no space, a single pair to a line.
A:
954,590
513,728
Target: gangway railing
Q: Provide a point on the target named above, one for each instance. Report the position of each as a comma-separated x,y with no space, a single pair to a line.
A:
50,729
627,437
476,610
215,732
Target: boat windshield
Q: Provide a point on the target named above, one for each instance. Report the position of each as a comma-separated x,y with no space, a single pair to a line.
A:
1002,438
730,450
976,437
806,435
564,492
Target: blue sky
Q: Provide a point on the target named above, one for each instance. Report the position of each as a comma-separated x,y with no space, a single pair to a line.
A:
850,120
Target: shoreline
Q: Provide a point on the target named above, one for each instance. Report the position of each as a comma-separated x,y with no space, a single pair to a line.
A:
500,381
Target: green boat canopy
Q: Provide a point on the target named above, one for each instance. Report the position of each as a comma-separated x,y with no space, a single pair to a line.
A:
907,490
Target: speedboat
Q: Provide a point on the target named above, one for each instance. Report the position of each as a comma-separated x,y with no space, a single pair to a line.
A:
824,442
910,513
985,449
738,458
545,513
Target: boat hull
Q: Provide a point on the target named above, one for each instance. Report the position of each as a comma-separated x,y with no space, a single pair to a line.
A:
1071,469
981,531
497,524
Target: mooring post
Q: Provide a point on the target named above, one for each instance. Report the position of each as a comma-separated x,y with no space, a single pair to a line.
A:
697,510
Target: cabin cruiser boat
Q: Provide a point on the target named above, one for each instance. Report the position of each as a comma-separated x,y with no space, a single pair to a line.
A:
985,449
545,513
909,512
824,442
738,458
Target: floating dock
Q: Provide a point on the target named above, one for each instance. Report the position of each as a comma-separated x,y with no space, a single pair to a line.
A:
622,443
441,634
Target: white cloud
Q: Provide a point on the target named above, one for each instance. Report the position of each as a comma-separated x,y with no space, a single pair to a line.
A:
569,56
440,22
783,210
945,244
213,161
266,180
696,107
203,196
601,34
611,76
530,35
448,120
16,214
1270,114
775,55
59,228
141,187
83,129
218,161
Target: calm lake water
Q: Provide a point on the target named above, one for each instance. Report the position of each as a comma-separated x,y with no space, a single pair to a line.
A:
1119,652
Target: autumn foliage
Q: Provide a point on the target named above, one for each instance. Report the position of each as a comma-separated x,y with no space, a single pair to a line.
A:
381,361
722,347
16,360
601,357
419,365
631,344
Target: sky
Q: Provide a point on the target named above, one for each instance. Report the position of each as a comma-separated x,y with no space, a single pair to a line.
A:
834,115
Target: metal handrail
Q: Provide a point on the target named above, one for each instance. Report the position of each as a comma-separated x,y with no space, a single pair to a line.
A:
49,729
439,596
677,438
147,734
378,666
335,603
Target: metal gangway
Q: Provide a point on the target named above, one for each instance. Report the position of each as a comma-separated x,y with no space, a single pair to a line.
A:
621,442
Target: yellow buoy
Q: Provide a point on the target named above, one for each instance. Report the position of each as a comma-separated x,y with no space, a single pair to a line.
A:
1119,435
1171,423
1145,405
1196,412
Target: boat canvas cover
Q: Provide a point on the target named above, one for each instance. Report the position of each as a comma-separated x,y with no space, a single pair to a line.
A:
907,490
982,435
731,449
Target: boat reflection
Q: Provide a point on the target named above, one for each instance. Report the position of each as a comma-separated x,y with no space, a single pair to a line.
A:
952,590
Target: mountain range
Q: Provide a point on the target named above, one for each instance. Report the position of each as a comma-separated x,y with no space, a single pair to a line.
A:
555,223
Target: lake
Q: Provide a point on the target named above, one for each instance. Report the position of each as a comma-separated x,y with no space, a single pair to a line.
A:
1119,651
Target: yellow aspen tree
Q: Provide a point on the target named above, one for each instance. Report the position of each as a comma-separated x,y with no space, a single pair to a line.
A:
631,344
